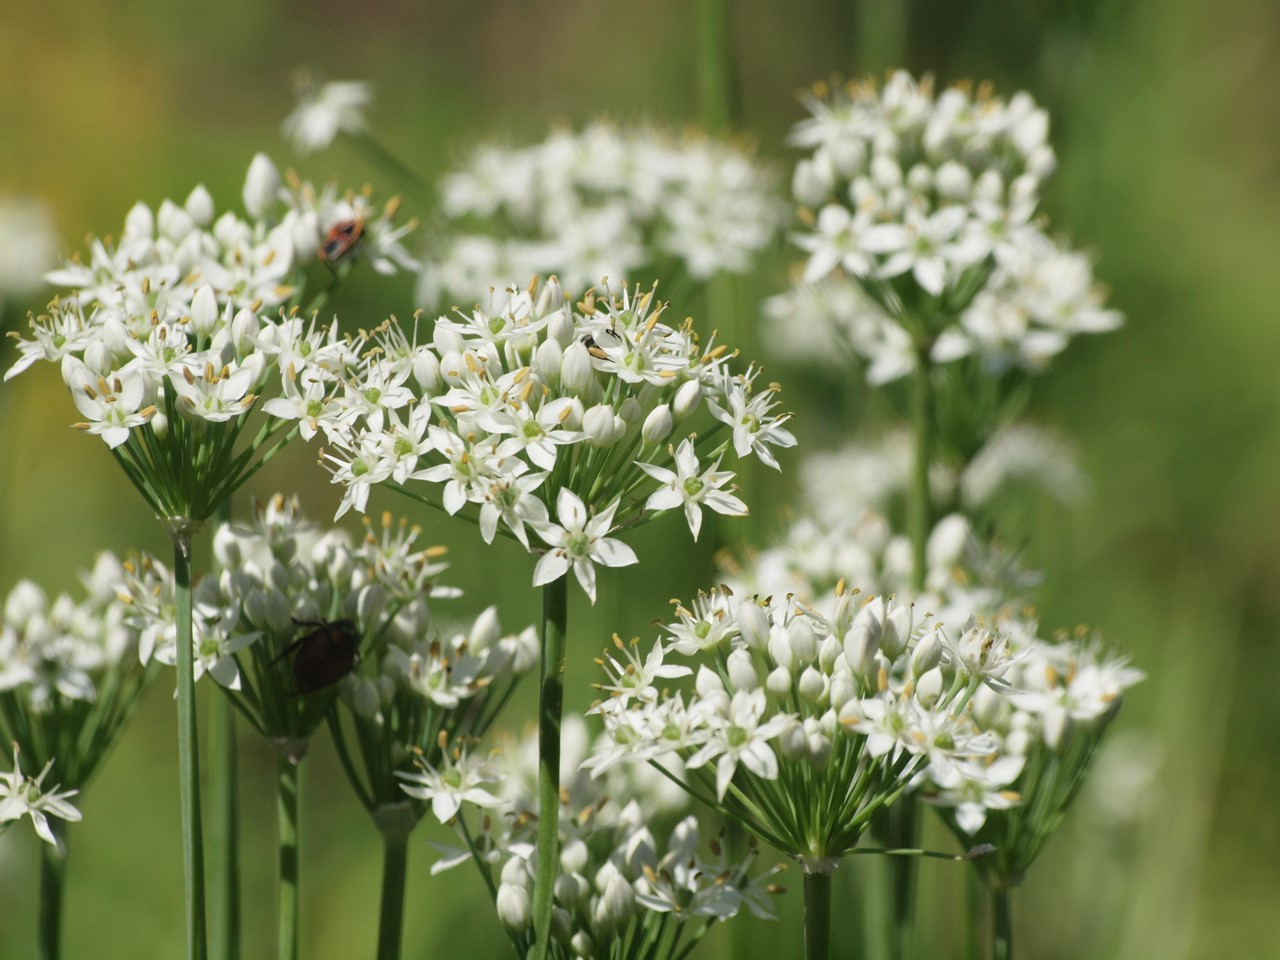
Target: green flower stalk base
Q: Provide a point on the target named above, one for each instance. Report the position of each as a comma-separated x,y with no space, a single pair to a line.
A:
53,865
555,610
287,839
817,916
188,754
395,858
1001,924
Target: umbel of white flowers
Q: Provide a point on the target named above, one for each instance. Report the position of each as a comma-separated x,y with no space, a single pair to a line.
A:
802,725
69,672
602,413
927,234
633,879
165,345
603,201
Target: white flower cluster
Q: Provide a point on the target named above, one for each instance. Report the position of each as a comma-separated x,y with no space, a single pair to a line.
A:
812,723
165,348
1061,695
282,581
590,411
69,671
27,797
602,202
631,864
325,111
926,231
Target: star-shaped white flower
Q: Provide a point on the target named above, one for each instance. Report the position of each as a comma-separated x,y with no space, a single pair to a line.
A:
579,541
686,486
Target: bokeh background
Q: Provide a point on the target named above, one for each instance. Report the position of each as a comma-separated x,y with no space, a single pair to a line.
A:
1166,122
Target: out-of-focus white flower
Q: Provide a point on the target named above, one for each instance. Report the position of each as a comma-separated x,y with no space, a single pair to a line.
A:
28,246
324,112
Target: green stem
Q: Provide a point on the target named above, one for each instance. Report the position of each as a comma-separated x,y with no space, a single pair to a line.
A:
188,754
224,858
1002,924
287,839
53,867
391,914
555,610
922,425
715,65
817,916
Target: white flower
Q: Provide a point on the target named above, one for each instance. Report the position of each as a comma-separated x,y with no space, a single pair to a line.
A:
459,780
579,541
322,114
686,486
21,797
739,736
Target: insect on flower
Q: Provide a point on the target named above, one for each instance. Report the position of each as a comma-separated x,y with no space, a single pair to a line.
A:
341,239
322,656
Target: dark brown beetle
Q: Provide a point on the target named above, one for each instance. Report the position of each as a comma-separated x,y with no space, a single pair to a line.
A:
324,655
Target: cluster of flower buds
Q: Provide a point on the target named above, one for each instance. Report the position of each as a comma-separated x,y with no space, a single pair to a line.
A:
594,411
927,204
600,202
69,671
632,867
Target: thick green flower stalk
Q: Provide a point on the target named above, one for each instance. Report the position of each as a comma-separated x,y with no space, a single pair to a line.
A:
70,676
632,880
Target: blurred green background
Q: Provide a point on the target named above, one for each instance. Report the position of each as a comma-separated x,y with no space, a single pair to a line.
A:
1166,123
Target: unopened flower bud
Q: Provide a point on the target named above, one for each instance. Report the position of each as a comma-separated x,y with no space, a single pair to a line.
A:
550,297
792,742
862,643
561,329
426,372
929,687
753,624
848,157
261,187
200,206
204,311
686,400
574,856
139,223
571,889
547,360
953,181
617,899
897,630
989,186
582,945
843,689
920,178
812,685
742,671
657,425
947,541
159,423
813,180
780,650
577,375
829,651
927,654
778,683
990,709
602,426
226,547
1057,725
174,222
1042,163
804,642
513,906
